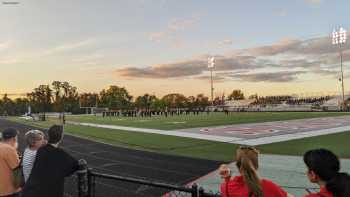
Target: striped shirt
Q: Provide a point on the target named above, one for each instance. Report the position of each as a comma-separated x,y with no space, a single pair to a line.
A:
28,162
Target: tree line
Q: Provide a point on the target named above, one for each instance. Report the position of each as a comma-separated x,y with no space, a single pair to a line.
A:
64,97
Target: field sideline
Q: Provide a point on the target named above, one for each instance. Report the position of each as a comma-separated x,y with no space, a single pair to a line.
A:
202,148
201,120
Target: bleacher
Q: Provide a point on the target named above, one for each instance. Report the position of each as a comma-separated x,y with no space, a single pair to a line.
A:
283,103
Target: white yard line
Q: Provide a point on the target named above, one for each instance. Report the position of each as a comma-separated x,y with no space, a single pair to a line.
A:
294,136
162,132
216,138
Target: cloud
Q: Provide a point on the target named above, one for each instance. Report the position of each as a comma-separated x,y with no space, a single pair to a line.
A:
73,45
88,58
283,76
216,78
288,59
158,36
282,13
225,42
177,25
69,46
282,46
313,2
5,45
180,69
189,67
172,28
9,61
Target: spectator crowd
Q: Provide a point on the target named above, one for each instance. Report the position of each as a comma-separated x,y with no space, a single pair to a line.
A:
276,100
40,172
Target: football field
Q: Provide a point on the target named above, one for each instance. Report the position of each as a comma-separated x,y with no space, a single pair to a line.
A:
289,133
177,122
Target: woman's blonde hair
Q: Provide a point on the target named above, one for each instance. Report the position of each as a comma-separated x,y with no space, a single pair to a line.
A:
33,136
248,163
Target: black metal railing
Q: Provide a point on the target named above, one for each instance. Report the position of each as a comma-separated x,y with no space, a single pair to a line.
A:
86,183
86,179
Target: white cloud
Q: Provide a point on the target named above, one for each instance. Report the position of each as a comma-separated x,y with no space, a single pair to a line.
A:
9,61
225,42
5,45
70,46
64,47
88,58
282,13
157,36
313,2
173,27
177,25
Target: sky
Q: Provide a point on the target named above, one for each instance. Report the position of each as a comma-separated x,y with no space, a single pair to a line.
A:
266,47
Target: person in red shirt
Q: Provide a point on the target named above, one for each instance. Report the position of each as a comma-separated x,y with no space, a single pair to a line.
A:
249,183
323,169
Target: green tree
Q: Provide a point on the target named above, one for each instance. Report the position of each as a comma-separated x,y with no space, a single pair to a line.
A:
253,96
158,105
175,100
7,106
88,99
145,101
202,101
41,99
236,95
191,102
65,97
115,98
20,106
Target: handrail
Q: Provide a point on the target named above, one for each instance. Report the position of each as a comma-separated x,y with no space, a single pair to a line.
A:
140,181
86,183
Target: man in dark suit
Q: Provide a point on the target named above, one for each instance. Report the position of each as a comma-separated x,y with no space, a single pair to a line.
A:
51,166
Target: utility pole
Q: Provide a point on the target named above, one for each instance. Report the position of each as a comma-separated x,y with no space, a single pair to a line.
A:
211,65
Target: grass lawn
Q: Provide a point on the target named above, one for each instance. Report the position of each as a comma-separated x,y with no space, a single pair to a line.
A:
198,148
338,143
202,120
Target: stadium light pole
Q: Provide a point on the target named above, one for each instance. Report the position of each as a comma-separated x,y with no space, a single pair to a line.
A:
339,38
211,65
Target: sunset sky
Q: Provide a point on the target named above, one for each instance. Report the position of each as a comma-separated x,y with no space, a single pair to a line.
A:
267,47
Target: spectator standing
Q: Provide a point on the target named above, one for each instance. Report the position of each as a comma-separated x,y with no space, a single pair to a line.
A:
34,140
51,166
9,160
323,169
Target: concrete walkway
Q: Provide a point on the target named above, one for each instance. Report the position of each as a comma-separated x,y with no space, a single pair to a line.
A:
286,171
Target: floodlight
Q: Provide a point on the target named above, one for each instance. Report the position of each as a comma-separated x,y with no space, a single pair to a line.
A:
339,38
211,62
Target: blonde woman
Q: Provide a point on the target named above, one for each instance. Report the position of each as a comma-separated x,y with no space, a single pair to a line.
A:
249,183
34,140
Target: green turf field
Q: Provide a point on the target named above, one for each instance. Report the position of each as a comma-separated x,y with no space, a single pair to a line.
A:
198,148
202,120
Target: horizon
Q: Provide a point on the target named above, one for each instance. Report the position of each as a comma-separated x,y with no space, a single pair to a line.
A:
160,47
216,95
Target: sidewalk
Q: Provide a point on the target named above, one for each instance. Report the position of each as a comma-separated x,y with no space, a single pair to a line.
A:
286,171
